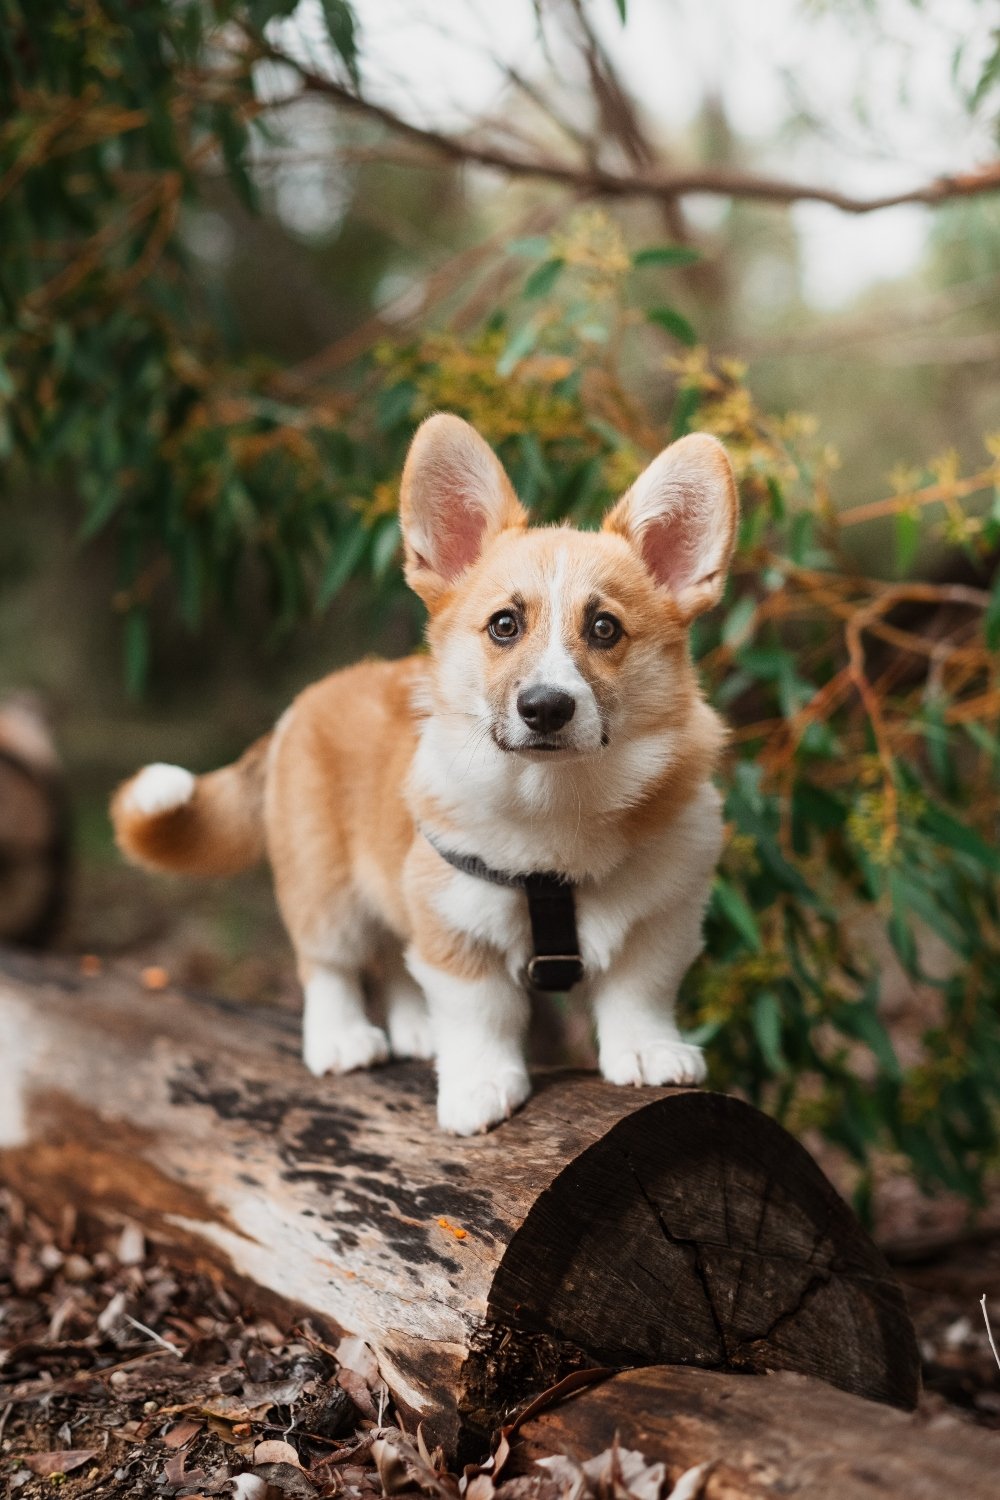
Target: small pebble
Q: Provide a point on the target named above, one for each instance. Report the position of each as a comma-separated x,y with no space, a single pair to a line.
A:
77,1268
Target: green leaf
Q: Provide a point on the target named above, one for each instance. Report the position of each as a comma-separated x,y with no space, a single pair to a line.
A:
685,409
233,136
394,404
734,907
989,77
991,621
665,255
766,1017
778,507
860,1020
341,28
544,277
347,554
737,622
136,643
530,247
521,344
960,837
674,322
622,8
262,11
907,539
385,546
900,931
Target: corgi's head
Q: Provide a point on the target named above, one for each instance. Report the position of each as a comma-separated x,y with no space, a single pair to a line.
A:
558,642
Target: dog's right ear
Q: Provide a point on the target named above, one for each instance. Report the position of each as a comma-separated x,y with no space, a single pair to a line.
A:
455,498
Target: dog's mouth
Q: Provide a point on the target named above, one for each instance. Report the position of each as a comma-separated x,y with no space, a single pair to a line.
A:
539,744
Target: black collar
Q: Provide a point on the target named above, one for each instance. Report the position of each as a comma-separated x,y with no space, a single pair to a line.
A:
555,964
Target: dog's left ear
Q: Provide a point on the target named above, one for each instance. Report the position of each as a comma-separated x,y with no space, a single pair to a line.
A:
680,515
454,499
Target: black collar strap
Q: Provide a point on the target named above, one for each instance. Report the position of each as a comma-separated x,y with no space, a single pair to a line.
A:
556,964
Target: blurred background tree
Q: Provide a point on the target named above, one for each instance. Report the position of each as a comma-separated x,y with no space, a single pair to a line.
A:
248,244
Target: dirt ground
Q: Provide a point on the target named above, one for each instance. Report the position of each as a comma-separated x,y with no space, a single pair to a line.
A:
122,1377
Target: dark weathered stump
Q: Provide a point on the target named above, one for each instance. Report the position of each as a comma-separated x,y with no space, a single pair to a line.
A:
34,828
786,1435
599,1226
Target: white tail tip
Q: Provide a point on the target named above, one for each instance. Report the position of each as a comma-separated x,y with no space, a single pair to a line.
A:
160,788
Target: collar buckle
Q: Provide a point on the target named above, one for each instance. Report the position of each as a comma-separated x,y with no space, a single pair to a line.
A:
555,972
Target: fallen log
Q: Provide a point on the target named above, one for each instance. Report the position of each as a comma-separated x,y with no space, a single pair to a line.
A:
786,1435
601,1226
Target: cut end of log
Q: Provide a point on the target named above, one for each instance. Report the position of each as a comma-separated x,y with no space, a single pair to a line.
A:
696,1231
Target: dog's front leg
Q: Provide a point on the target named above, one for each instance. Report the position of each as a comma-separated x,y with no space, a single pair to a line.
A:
637,1036
478,1028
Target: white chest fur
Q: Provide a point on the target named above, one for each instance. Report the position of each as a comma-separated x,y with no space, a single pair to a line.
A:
668,874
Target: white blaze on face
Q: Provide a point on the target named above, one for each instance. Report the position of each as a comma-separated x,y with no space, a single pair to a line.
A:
555,666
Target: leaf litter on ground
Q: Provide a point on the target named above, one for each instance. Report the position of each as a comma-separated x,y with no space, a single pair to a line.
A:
122,1377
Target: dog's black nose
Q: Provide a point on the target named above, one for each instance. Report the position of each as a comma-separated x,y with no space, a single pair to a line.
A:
545,709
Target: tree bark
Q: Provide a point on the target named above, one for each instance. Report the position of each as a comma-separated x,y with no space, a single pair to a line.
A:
787,1435
599,1226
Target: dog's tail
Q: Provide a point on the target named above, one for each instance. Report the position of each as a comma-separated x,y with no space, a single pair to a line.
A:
167,819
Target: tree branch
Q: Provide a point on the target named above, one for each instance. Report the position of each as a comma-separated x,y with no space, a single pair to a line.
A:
719,182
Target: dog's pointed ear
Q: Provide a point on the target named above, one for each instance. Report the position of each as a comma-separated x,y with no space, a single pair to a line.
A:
680,516
455,498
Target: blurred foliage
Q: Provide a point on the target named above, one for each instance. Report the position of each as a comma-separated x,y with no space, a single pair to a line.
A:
863,785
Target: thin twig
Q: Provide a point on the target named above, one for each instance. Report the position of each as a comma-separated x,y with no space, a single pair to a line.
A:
989,1330
156,1337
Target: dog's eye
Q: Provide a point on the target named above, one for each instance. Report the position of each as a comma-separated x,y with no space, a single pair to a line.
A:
605,630
504,627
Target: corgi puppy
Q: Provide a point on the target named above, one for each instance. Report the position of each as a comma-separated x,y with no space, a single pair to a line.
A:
555,725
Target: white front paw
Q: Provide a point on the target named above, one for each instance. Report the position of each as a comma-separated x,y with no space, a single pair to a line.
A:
343,1049
654,1062
160,788
471,1106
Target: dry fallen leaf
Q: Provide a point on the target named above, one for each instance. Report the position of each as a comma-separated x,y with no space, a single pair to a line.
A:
64,1462
287,1479
351,1382
354,1354
182,1433
691,1483
406,1465
273,1451
620,1471
176,1474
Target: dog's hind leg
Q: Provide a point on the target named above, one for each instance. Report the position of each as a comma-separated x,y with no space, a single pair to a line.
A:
407,1017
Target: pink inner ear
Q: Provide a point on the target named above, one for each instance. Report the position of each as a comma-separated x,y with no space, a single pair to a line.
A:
674,548
458,534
